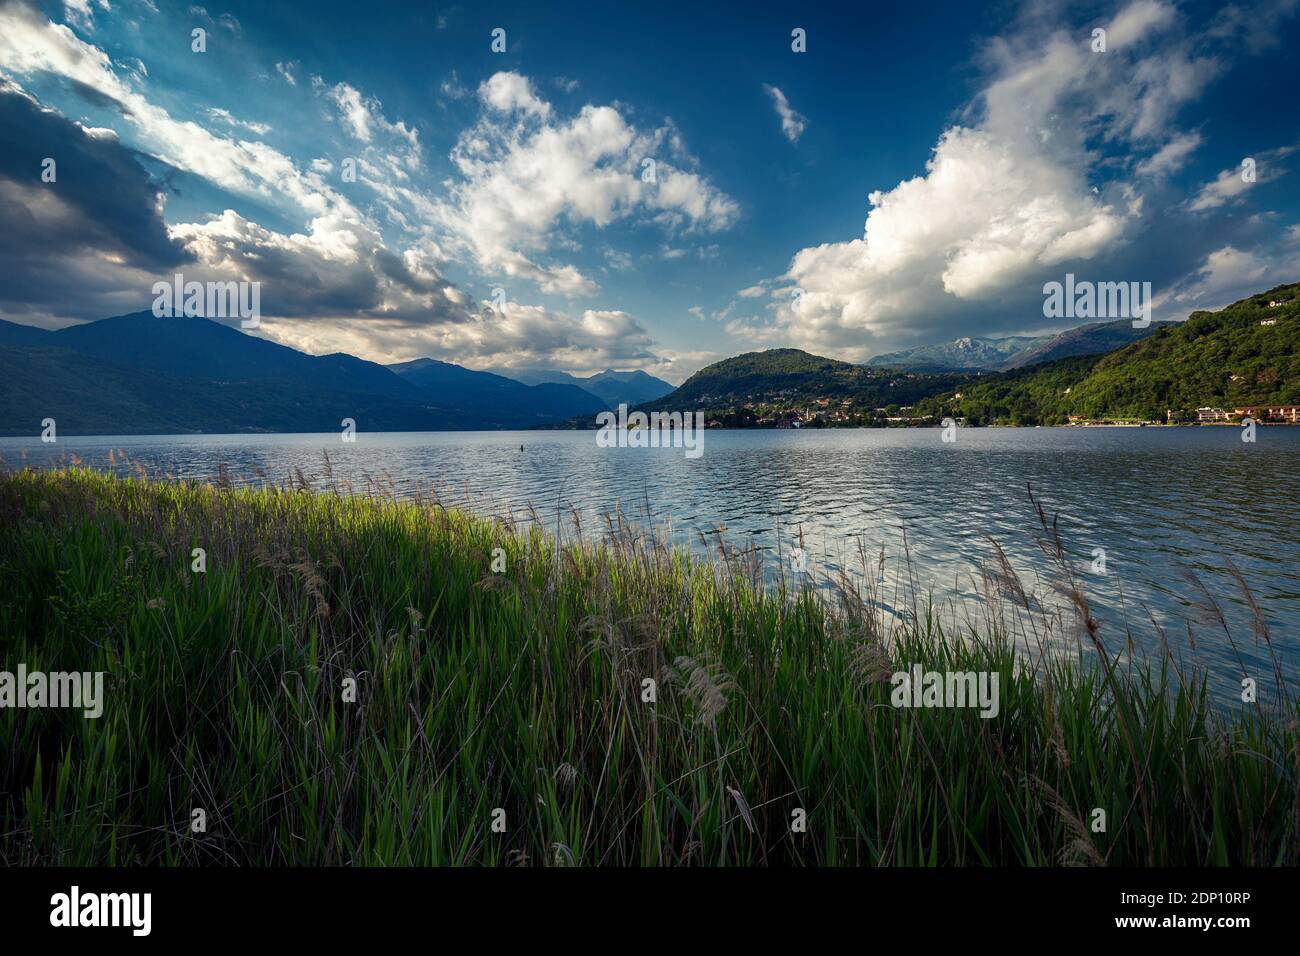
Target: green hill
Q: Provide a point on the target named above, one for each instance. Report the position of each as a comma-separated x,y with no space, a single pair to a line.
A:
749,386
1247,353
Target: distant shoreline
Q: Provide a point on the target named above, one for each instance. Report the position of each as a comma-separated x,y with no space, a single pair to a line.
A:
726,428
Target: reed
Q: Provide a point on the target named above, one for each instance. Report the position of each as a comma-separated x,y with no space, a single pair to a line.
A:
524,691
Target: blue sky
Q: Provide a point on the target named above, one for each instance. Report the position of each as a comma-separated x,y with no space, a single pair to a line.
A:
916,175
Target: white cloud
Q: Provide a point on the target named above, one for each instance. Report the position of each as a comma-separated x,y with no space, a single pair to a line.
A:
1229,274
793,123
510,91
1230,268
29,45
1227,185
81,12
1170,157
517,336
363,116
526,175
985,216
1013,193
1137,21
1231,183
225,116
677,365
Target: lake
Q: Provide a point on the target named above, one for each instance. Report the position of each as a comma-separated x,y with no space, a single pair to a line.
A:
1163,504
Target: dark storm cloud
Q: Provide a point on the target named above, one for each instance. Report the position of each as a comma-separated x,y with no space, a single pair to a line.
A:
83,238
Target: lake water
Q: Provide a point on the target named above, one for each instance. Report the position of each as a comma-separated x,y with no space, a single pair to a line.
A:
1163,503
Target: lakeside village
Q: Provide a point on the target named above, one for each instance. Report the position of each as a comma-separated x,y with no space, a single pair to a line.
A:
1260,414
842,413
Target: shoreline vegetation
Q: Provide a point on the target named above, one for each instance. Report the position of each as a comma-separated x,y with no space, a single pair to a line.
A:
501,716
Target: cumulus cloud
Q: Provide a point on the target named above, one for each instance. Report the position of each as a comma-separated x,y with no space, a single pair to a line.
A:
526,175
1014,193
1229,274
793,123
507,92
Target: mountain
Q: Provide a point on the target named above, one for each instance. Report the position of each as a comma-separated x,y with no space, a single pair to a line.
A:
137,374
188,347
1246,354
11,333
1095,339
611,387
89,397
970,353
1015,351
632,387
537,376
497,401
756,385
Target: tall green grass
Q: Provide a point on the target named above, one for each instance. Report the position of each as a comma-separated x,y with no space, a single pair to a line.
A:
523,691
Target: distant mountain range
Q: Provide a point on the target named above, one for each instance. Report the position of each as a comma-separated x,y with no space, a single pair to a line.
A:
611,387
497,401
971,353
1015,351
137,374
